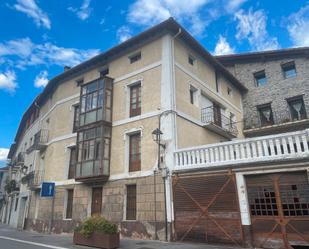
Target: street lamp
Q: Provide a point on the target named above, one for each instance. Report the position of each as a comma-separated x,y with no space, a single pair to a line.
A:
156,136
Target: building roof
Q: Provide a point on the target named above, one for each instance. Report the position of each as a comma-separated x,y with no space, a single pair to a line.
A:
165,27
232,59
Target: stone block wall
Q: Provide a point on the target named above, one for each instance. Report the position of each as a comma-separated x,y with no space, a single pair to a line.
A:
148,216
277,89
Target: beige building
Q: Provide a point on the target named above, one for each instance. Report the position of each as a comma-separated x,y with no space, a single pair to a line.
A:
91,132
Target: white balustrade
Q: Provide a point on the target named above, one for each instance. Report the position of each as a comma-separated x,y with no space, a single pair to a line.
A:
282,146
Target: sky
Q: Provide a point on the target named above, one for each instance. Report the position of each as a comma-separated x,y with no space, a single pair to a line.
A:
39,37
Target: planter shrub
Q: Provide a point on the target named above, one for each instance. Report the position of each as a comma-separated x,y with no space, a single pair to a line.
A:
97,232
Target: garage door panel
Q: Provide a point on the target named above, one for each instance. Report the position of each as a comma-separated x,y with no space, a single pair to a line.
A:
206,209
279,209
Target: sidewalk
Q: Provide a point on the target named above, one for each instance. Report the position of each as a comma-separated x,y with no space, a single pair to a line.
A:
64,241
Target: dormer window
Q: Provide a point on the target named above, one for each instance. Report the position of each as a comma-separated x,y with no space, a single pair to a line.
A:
289,70
135,57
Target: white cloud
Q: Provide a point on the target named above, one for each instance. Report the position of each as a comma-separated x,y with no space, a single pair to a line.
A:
26,53
84,11
31,9
191,13
223,47
252,26
151,12
8,81
232,5
3,154
298,27
41,79
123,33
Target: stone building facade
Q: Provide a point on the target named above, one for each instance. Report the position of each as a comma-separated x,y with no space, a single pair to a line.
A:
93,131
278,89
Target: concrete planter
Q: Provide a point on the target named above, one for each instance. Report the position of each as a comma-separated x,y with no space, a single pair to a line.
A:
97,239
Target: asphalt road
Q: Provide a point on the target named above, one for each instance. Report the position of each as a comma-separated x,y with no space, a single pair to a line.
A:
13,239
9,244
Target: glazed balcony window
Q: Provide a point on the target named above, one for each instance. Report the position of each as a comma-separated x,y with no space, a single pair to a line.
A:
96,101
93,152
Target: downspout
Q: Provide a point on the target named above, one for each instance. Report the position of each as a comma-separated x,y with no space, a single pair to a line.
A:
173,111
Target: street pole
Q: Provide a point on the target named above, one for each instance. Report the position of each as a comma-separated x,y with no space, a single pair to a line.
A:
52,215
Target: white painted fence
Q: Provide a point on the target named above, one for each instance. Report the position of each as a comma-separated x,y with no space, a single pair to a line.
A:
265,148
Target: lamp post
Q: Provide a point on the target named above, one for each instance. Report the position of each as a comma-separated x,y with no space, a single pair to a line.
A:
156,136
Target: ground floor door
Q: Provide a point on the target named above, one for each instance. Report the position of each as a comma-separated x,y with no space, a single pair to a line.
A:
279,206
22,213
206,208
96,202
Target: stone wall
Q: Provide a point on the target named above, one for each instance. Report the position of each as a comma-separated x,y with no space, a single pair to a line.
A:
277,89
113,208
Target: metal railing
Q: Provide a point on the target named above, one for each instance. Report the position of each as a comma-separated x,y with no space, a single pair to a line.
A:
20,159
36,179
210,115
40,140
284,146
276,118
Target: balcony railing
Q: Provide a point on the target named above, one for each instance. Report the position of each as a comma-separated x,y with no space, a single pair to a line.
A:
277,118
35,178
20,159
40,141
216,121
286,146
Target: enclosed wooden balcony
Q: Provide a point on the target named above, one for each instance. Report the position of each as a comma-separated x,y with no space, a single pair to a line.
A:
264,149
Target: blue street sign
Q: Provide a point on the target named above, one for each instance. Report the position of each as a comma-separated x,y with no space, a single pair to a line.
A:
48,189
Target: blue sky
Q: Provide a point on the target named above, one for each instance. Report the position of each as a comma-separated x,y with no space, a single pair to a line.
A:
38,38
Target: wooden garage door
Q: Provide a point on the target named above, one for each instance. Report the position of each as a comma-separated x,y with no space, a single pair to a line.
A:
206,209
279,206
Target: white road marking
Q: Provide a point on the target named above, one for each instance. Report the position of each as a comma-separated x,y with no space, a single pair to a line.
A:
32,243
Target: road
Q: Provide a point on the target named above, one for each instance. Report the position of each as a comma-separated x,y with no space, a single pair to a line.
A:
14,239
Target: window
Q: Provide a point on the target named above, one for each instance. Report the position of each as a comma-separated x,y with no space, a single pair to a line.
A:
69,209
229,91
16,202
72,163
217,81
266,115
135,152
104,71
289,69
93,152
76,118
297,108
135,57
80,81
260,78
191,60
193,95
131,202
135,100
96,101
